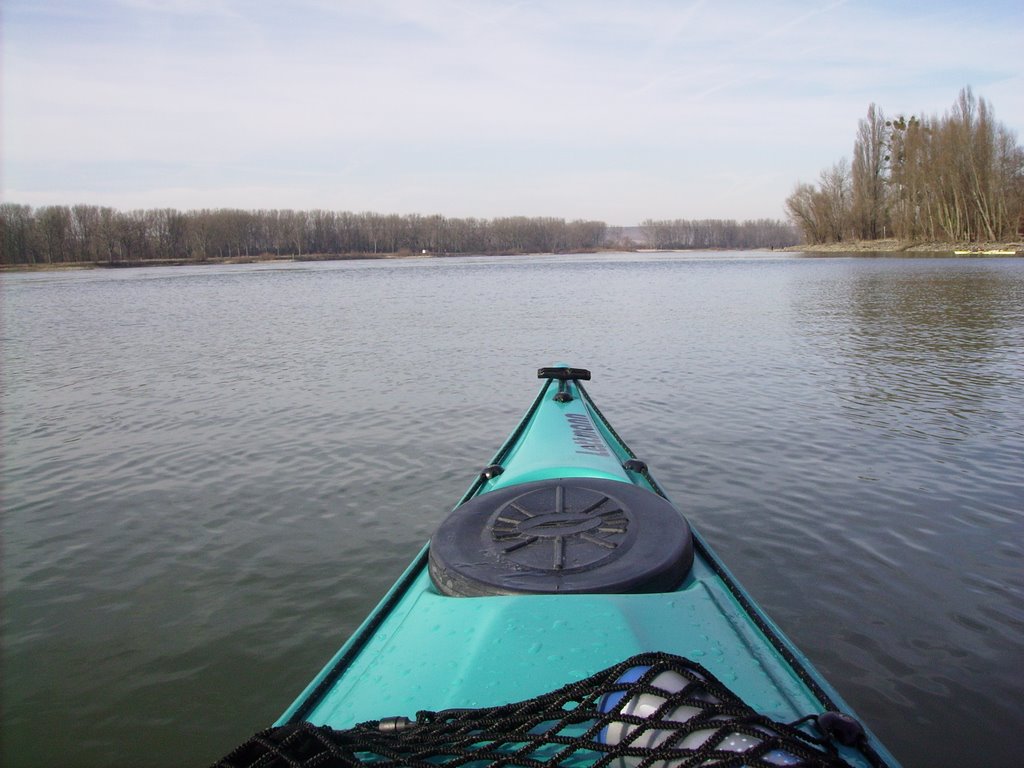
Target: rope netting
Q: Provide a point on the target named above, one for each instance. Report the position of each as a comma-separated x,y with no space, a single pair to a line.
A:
651,710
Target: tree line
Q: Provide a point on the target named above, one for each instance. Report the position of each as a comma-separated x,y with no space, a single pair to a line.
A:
60,234
94,233
719,233
86,233
957,178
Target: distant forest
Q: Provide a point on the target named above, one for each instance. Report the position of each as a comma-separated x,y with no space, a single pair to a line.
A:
59,234
958,178
718,233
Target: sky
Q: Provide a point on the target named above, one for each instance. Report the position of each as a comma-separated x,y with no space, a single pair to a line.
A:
579,109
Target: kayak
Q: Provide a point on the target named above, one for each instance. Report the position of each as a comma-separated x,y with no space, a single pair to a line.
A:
563,559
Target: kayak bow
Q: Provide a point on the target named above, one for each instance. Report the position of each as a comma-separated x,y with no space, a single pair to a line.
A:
562,559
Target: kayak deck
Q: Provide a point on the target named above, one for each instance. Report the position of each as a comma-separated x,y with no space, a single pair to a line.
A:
486,651
422,649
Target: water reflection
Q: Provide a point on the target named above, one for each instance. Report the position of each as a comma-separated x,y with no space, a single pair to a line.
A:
924,360
212,475
919,354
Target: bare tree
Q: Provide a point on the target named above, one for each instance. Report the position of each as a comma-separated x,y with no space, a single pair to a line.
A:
868,176
17,228
804,210
957,178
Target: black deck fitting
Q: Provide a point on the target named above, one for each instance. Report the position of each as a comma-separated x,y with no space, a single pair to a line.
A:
563,374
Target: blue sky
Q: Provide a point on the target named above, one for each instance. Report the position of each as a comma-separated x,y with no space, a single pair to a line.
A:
618,111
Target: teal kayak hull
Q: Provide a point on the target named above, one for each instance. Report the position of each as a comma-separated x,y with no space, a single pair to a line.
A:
421,649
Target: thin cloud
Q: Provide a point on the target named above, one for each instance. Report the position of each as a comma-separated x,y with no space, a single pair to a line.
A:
603,110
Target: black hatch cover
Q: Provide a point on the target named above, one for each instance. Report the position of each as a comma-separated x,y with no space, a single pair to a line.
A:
568,535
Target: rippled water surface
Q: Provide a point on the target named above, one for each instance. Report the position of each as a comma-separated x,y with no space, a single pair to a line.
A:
211,474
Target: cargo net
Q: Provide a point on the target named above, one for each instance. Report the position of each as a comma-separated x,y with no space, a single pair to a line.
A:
650,710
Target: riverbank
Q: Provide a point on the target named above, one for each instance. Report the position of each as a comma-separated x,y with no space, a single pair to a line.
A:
864,247
261,259
891,245
269,258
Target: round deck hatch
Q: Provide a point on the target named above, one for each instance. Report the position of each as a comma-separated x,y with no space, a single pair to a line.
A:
568,535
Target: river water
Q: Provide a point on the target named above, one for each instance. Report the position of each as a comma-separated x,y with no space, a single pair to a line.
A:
211,474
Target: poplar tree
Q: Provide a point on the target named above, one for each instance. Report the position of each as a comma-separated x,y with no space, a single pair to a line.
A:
958,178
868,174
